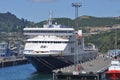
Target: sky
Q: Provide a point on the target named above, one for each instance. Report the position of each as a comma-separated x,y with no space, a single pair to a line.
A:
38,10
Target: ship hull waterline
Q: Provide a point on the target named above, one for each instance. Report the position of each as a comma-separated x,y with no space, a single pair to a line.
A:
48,63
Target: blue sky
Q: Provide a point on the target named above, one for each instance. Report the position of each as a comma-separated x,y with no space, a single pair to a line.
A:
38,10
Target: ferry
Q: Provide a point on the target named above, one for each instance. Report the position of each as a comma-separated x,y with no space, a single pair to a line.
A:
55,46
113,72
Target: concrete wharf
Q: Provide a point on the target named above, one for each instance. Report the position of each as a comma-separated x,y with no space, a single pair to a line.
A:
89,70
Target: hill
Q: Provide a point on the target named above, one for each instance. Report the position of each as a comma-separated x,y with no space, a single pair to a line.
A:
10,23
62,21
97,21
85,21
106,40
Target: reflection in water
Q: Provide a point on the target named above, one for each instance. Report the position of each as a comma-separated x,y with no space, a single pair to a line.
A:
38,76
23,72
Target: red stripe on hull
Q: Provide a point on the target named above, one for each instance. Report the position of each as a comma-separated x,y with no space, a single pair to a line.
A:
113,74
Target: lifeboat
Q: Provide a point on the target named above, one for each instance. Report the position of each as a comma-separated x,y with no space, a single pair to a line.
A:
113,72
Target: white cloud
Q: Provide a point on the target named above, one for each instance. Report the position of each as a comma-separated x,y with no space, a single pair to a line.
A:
43,0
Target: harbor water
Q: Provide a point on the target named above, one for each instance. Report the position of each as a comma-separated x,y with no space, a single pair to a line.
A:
22,72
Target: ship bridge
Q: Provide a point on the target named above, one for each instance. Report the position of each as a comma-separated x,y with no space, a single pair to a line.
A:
49,31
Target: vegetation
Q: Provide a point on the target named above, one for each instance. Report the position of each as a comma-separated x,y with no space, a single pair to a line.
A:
85,21
10,23
105,41
89,21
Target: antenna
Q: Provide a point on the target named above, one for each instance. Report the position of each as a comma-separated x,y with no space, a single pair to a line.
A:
76,5
50,17
50,14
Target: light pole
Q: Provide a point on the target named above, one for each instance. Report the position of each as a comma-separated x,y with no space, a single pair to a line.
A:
76,5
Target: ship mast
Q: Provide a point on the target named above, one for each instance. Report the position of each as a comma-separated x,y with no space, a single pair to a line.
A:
50,18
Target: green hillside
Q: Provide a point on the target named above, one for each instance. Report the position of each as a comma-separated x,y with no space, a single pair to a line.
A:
89,21
105,41
85,21
10,23
62,21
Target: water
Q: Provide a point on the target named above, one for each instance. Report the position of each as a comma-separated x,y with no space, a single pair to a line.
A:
22,72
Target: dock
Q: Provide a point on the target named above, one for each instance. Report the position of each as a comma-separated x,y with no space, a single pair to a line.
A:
13,62
89,70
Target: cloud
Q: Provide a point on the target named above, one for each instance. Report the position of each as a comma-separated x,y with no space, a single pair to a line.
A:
43,0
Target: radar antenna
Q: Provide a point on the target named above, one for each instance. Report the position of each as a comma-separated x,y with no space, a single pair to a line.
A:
50,18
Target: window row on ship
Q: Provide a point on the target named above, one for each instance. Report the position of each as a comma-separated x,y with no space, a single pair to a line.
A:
50,41
37,31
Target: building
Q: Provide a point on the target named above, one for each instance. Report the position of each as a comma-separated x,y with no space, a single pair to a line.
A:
3,48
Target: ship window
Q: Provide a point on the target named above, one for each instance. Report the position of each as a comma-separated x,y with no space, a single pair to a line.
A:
38,31
56,42
34,41
66,42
